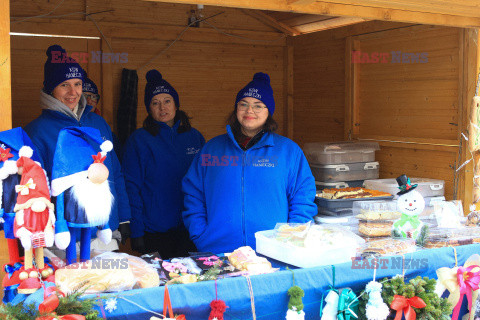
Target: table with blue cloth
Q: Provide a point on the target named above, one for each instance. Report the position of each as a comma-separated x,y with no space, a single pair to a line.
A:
266,294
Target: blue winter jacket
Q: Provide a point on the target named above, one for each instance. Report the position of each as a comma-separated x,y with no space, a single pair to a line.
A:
230,193
154,167
44,133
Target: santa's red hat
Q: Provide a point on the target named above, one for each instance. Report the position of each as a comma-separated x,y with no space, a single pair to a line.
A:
33,185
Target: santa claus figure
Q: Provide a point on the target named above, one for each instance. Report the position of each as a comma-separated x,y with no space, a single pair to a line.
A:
34,217
80,183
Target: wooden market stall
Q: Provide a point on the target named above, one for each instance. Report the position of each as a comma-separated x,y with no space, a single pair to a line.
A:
417,110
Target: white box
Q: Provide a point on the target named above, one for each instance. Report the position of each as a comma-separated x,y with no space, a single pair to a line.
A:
345,171
299,256
340,152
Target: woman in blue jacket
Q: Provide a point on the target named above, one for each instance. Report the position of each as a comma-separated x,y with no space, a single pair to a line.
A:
63,105
248,179
156,157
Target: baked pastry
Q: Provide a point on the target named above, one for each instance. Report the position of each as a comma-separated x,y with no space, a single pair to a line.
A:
389,246
351,193
245,258
378,215
375,229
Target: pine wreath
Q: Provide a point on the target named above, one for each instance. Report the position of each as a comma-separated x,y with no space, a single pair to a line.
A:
70,304
437,308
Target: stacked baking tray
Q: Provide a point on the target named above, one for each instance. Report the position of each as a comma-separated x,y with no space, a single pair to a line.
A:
341,165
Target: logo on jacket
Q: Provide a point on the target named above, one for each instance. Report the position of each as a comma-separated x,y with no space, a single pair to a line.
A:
262,161
193,150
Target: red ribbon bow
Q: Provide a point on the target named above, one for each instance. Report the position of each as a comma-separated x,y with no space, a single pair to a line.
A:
404,305
50,303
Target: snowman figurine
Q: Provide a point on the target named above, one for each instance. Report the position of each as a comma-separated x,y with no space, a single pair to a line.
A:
411,204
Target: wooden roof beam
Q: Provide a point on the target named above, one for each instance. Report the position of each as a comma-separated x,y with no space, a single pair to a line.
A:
300,2
339,9
328,24
272,22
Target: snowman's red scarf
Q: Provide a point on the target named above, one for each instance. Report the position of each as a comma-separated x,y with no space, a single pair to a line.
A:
95,199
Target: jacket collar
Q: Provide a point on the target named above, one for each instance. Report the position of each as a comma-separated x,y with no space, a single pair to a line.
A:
48,102
265,141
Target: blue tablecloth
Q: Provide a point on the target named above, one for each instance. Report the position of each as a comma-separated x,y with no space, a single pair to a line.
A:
270,290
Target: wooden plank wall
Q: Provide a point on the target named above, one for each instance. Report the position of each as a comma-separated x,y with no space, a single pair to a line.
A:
206,67
411,108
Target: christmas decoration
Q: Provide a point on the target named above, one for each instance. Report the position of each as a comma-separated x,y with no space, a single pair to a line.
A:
295,305
330,311
218,307
11,141
111,304
83,193
411,204
376,309
404,306
34,221
347,305
406,298
460,282
70,307
167,308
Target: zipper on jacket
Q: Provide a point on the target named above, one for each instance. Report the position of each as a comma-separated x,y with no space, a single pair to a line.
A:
243,198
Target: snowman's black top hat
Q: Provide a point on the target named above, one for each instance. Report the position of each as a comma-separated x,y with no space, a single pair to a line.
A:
404,184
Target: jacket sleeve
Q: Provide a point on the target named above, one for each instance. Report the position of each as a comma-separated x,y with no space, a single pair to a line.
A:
195,212
301,191
134,178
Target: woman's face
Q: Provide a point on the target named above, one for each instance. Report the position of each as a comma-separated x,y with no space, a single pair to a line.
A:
252,115
68,92
163,109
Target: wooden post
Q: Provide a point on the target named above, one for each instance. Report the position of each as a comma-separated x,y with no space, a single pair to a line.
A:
5,100
5,68
471,65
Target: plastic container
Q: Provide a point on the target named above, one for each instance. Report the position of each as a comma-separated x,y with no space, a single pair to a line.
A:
340,152
444,237
338,185
345,172
344,203
302,257
338,212
427,187
389,246
376,210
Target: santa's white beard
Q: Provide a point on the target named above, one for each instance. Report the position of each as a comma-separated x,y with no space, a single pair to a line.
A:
95,199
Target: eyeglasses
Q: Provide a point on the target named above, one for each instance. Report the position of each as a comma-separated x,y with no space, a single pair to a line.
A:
92,96
243,106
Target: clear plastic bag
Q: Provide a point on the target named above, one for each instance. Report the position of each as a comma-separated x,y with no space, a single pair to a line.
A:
107,272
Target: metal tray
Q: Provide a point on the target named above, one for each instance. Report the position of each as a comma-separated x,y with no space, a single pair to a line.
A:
344,203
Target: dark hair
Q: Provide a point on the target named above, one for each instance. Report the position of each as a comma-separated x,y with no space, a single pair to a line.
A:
152,126
232,120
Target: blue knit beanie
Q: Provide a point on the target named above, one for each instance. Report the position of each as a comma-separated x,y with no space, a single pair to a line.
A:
260,89
59,68
156,85
90,86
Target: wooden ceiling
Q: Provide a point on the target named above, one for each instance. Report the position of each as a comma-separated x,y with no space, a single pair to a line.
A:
303,16
294,24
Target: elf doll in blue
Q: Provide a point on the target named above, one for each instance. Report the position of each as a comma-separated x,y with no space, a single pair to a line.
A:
80,183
